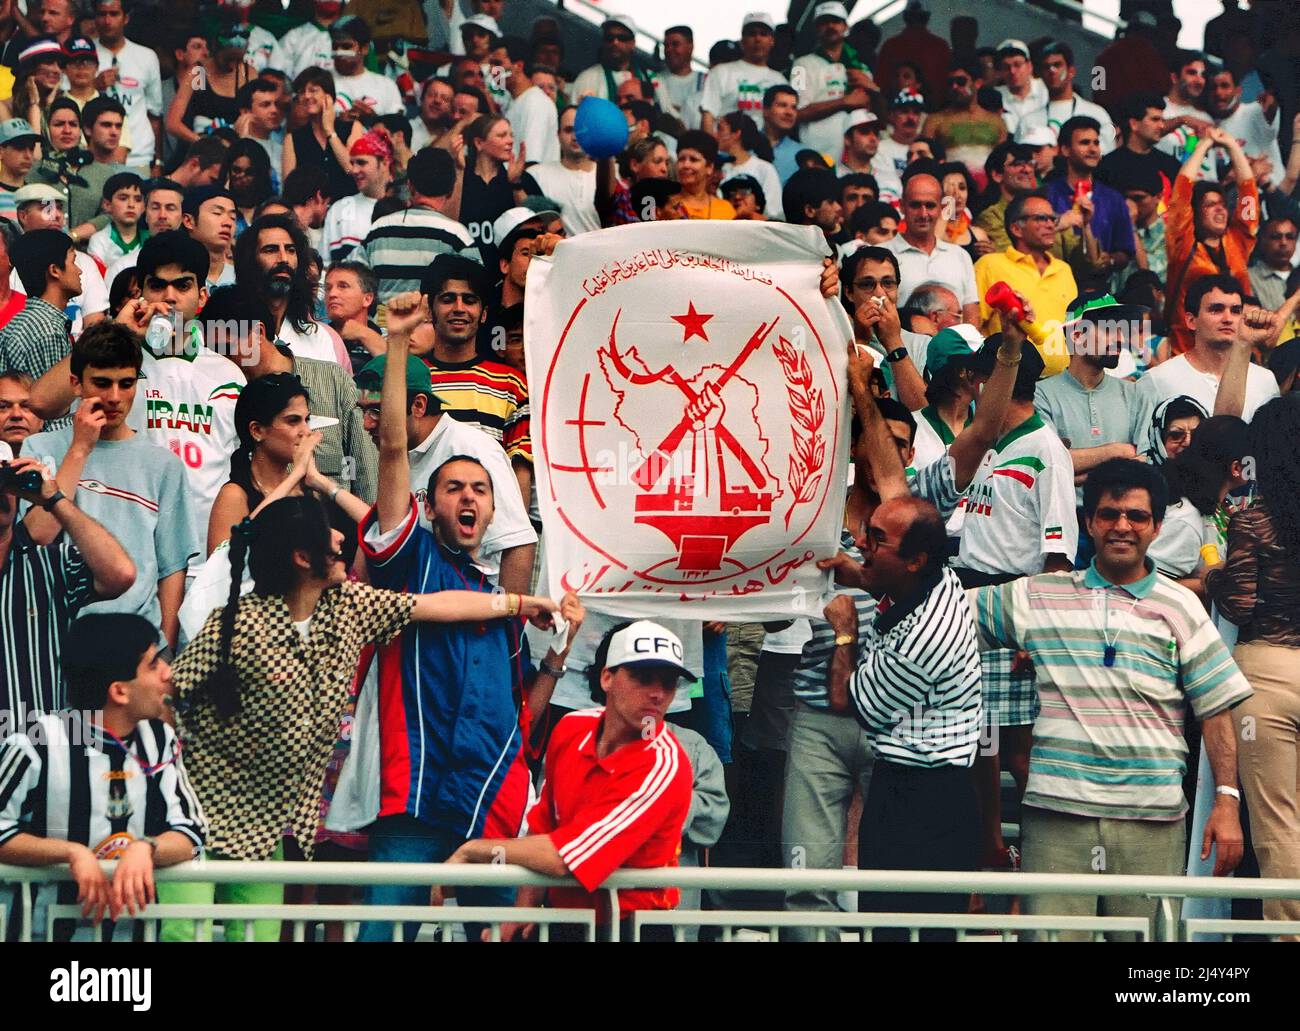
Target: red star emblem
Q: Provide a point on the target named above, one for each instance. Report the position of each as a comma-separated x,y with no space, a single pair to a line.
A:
692,324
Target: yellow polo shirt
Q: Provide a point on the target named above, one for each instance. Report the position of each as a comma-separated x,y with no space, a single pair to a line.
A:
1049,292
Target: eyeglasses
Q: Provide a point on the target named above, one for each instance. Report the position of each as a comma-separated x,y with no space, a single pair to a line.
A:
1037,218
1178,433
1136,517
875,540
619,37
867,283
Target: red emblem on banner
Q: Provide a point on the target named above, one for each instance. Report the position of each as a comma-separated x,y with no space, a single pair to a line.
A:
675,440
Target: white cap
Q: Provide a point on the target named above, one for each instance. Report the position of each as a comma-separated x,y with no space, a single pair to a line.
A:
861,116
483,21
1037,136
968,333
620,19
758,18
644,643
512,218
831,9
1013,44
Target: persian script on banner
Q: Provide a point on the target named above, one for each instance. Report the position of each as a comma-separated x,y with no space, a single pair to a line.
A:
689,418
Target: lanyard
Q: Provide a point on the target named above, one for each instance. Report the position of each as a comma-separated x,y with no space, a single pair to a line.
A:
1108,658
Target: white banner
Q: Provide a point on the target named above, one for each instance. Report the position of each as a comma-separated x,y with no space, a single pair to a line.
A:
690,418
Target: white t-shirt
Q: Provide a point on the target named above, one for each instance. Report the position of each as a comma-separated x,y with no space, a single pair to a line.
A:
819,80
575,190
510,526
94,294
1248,126
260,46
125,262
1058,112
187,405
592,82
947,264
738,86
1020,506
346,223
534,120
379,91
307,46
1177,377
1016,109
1176,551
318,343
685,92
891,158
139,90
1175,143
765,173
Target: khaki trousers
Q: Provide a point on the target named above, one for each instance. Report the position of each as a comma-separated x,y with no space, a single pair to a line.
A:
1063,843
1268,743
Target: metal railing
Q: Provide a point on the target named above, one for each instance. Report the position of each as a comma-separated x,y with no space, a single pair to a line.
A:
1166,892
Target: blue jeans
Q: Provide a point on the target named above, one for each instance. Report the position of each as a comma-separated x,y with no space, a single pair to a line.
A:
404,839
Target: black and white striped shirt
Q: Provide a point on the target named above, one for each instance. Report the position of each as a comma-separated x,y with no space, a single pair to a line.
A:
42,588
65,779
917,685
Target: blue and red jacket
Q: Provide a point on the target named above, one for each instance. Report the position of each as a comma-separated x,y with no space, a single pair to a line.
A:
451,744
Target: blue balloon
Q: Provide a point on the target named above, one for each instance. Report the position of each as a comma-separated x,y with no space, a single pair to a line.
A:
601,128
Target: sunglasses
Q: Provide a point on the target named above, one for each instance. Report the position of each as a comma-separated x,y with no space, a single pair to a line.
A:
619,37
958,80
1137,517
1178,433
867,283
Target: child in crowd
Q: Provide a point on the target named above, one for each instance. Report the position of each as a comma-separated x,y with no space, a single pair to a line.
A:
123,203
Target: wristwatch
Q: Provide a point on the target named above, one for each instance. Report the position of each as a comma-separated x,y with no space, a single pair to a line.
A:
53,500
843,639
555,672
897,354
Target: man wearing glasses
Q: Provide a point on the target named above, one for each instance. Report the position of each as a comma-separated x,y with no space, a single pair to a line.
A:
1120,653
617,65
967,131
1272,261
1030,268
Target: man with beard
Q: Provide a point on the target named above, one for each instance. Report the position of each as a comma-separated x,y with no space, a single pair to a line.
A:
270,260
472,389
348,220
208,215
833,81
1088,409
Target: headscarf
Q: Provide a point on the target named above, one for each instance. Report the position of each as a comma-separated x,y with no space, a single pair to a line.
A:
1180,407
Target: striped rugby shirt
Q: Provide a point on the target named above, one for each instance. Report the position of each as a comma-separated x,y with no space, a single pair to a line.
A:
66,780
1020,506
488,395
400,247
917,685
1109,742
625,810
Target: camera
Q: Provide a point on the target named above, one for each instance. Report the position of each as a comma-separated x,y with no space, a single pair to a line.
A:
19,480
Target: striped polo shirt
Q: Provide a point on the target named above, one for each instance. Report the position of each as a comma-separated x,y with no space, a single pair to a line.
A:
490,396
917,685
400,247
1109,742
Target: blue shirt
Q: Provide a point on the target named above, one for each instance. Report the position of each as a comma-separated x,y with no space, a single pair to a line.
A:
1111,224
783,158
449,726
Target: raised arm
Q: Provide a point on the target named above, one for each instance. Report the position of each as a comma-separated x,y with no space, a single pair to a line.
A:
882,454
973,442
405,312
1256,327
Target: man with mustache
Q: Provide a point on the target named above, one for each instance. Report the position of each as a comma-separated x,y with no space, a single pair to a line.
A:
271,261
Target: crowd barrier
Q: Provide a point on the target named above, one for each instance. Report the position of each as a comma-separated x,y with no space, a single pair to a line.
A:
731,924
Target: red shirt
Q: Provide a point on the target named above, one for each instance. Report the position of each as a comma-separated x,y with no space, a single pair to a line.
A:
15,305
625,810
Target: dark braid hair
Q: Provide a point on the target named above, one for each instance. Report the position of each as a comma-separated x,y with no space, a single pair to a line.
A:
260,402
267,544
1273,434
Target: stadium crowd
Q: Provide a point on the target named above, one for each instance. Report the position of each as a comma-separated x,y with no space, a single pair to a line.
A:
269,528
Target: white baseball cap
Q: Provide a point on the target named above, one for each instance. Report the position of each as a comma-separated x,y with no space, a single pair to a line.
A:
1018,45
758,18
1038,136
485,22
831,9
512,218
861,116
620,19
644,643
